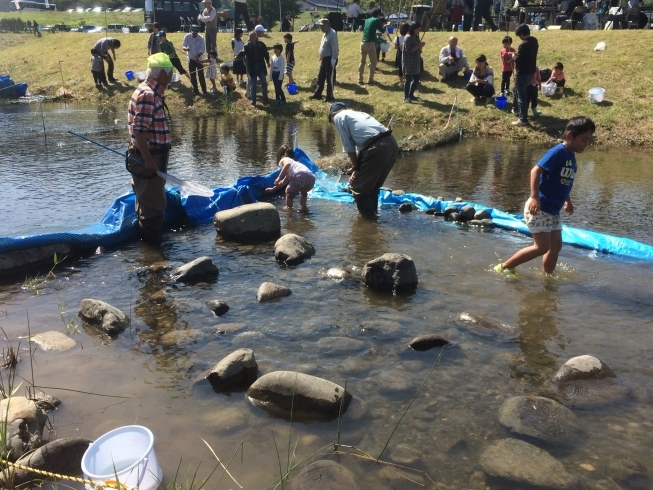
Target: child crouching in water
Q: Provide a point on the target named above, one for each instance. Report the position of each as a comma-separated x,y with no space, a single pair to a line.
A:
551,182
296,176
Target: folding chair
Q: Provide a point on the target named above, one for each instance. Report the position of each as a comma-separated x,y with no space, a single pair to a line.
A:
315,16
183,27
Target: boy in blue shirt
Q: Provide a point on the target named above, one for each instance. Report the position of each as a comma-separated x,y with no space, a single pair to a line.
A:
551,182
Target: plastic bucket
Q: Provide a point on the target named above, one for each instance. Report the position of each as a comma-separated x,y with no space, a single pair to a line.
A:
129,74
126,452
390,30
175,77
292,88
500,101
460,28
21,89
596,95
141,76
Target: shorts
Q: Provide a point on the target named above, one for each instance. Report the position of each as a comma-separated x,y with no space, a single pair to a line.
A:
289,68
542,222
300,182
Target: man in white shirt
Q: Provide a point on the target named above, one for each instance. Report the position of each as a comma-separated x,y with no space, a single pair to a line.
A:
452,60
356,11
194,46
328,60
210,18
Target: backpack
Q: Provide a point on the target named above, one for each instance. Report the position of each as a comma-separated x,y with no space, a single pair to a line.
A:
545,74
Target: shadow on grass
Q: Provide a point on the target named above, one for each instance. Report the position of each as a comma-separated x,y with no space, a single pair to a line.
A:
551,125
354,87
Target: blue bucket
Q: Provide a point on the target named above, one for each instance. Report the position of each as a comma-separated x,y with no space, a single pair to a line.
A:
467,74
129,74
21,89
391,30
292,88
460,28
500,101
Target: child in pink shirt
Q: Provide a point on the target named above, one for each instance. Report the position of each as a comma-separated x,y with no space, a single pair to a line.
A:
507,64
558,76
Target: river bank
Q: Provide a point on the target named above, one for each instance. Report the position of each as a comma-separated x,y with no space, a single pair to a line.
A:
37,62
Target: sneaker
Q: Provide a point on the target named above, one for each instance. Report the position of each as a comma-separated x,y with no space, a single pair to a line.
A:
519,122
536,113
315,97
412,97
408,100
503,270
252,104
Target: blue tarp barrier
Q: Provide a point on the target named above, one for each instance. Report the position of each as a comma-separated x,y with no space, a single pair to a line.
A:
120,221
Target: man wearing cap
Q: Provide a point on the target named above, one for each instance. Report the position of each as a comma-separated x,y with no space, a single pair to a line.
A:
372,150
240,10
150,144
210,18
368,44
328,60
103,46
194,46
167,47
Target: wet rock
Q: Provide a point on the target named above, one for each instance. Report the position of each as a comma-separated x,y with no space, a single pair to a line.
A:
269,292
467,213
482,223
405,207
524,464
292,249
13,262
226,328
25,422
391,272
338,274
487,329
458,199
182,337
54,340
398,192
538,417
198,269
313,397
432,211
339,344
248,338
455,216
583,367
403,454
45,402
380,329
427,341
62,456
448,210
248,223
218,307
628,472
324,475
100,314
482,214
234,371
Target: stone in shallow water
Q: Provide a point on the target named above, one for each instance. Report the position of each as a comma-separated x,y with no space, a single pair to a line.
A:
200,268
339,344
248,223
107,317
467,213
391,272
237,369
324,475
484,328
427,341
292,249
54,340
482,214
218,307
225,328
583,367
269,292
405,207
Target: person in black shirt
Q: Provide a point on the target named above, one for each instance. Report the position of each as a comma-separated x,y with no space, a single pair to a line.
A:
525,63
285,25
257,59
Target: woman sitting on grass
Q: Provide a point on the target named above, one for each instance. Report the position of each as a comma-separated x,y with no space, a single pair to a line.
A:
481,83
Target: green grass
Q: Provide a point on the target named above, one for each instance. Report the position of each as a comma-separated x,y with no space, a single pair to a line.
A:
620,70
77,19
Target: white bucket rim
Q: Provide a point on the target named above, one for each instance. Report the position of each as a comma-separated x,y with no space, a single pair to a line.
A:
597,90
108,435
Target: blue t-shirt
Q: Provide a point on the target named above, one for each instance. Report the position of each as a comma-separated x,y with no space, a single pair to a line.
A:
556,181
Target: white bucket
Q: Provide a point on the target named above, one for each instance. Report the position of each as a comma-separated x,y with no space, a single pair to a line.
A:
126,452
141,75
596,95
549,88
175,77
386,47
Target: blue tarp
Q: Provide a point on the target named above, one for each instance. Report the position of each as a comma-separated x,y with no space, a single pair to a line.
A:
120,221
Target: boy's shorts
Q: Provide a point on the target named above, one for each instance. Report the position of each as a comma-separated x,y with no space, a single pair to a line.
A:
289,68
300,182
542,222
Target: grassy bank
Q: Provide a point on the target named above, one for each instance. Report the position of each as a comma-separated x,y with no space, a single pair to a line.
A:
620,70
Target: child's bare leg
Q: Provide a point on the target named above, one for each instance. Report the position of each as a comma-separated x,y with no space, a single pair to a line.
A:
302,201
541,245
550,259
289,200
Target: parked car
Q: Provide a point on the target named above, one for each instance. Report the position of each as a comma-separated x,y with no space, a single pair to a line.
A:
109,9
61,28
115,27
70,11
143,29
47,28
79,10
137,10
134,29
86,28
98,30
127,9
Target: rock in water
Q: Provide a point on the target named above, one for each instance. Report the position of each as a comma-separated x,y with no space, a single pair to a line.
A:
483,223
583,367
218,307
54,340
427,341
248,223
487,329
324,475
398,192
391,272
314,398
201,268
452,216
269,292
540,418
405,207
482,214
628,472
25,422
524,464
63,456
292,249
109,318
431,211
338,274
236,370
467,213
448,210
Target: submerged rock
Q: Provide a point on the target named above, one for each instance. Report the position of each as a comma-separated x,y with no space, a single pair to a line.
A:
225,328
482,223
324,475
307,396
339,344
540,418
524,464
338,274
391,272
487,329
18,260
200,268
628,472
218,307
101,314
258,222
234,371
405,207
292,249
448,210
54,340
427,341
482,214
455,216
467,213
269,292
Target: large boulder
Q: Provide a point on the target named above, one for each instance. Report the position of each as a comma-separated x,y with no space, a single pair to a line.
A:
17,261
391,272
324,475
269,292
198,269
523,464
234,371
62,456
100,314
307,397
583,367
467,213
292,249
258,222
540,418
24,425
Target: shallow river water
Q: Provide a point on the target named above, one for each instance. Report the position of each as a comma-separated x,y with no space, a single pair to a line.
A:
596,304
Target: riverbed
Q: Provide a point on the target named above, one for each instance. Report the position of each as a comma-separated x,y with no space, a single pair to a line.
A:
595,304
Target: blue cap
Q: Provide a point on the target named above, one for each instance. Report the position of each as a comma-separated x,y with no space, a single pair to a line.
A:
335,107
161,33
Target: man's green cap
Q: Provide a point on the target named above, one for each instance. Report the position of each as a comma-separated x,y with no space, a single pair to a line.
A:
159,60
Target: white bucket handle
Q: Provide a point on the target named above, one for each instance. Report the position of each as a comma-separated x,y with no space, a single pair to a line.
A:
141,474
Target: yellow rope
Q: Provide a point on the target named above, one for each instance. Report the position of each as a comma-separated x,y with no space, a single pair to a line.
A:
94,484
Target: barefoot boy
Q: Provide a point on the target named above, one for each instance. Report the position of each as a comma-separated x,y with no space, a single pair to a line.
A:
551,182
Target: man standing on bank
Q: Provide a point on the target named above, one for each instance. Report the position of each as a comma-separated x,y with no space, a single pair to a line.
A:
368,44
210,18
372,150
103,46
194,46
150,144
525,64
328,60
240,10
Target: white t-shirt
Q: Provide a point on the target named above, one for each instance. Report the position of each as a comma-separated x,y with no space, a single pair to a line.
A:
295,167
